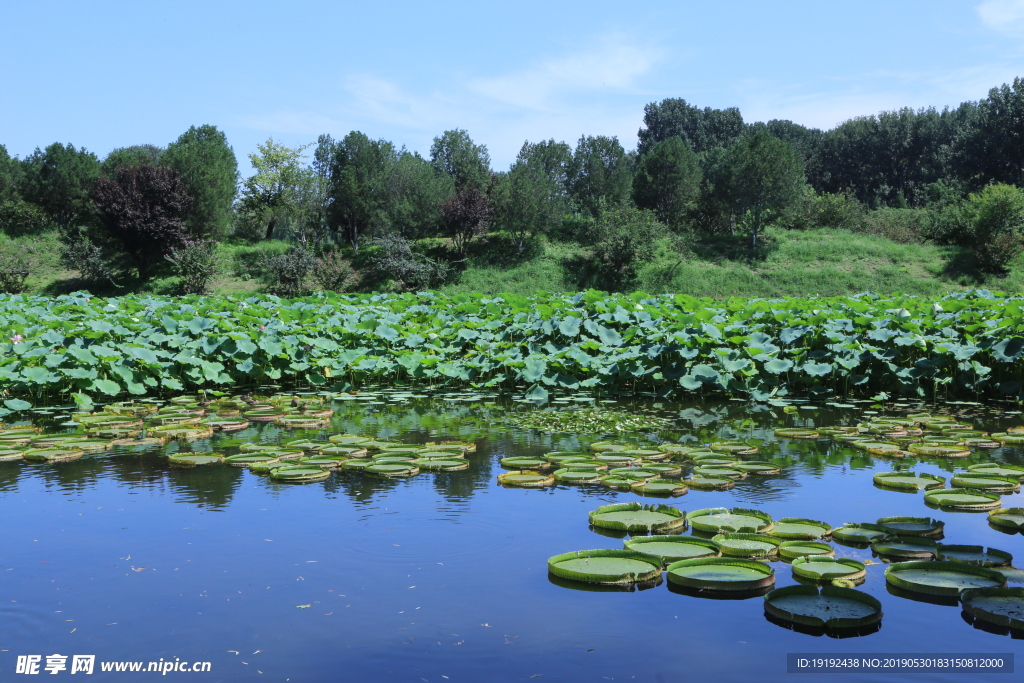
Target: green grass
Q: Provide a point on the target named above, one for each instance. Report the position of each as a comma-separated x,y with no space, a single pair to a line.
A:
823,262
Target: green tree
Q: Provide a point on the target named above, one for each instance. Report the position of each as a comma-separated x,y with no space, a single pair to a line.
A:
455,154
59,180
554,157
599,174
416,192
136,155
142,209
10,176
760,177
996,222
667,181
358,172
704,128
273,196
207,166
529,200
625,237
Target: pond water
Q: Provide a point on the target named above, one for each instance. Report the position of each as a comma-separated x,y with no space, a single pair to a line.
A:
441,576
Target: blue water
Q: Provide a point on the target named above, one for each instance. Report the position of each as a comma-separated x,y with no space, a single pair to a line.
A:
440,577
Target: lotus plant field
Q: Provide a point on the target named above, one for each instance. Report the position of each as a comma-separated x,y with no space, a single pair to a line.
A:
965,344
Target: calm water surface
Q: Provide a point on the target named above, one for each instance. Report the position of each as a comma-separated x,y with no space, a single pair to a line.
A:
441,577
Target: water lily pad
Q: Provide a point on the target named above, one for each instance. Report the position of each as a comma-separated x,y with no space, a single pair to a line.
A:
348,439
194,459
659,487
526,479
911,526
391,469
736,520
524,463
996,605
941,578
299,474
796,528
720,574
1010,439
606,566
706,483
831,607
998,468
750,546
974,554
10,454
905,547
734,448
757,467
793,433
664,469
790,550
247,459
859,533
825,568
993,483
52,454
438,465
635,517
909,481
1007,518
672,548
928,451
962,499
583,475
718,471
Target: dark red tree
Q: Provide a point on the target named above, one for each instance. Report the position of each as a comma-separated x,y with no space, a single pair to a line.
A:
466,214
142,209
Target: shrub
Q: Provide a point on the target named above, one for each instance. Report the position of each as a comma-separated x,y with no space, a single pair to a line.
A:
196,263
624,238
996,219
78,252
286,274
904,226
17,263
396,261
333,273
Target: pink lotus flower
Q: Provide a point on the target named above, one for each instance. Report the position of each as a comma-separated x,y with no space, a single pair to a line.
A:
17,338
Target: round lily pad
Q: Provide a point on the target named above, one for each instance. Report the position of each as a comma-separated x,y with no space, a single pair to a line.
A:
1002,469
583,475
615,459
927,451
734,447
825,568
560,457
831,607
519,463
974,554
909,481
911,526
796,528
790,550
10,455
393,457
643,453
793,433
223,425
941,578
247,459
718,471
962,499
736,520
299,474
588,464
603,446
1000,606
664,469
634,473
705,483
720,574
1011,439
986,482
439,465
672,548
757,467
659,487
526,479
859,533
194,459
356,464
614,481
905,547
750,546
52,454
606,566
392,469
348,439
1007,518
635,517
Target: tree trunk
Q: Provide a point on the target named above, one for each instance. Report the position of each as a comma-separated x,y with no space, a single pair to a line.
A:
271,224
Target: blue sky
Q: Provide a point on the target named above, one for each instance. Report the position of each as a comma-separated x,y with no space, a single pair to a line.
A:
109,74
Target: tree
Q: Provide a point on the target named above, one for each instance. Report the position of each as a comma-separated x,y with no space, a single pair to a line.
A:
358,171
59,180
599,174
996,224
10,176
273,195
466,214
529,200
415,194
625,237
761,176
143,209
136,155
554,157
667,181
455,154
207,166
704,128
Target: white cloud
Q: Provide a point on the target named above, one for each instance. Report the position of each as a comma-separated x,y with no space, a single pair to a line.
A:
1005,16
